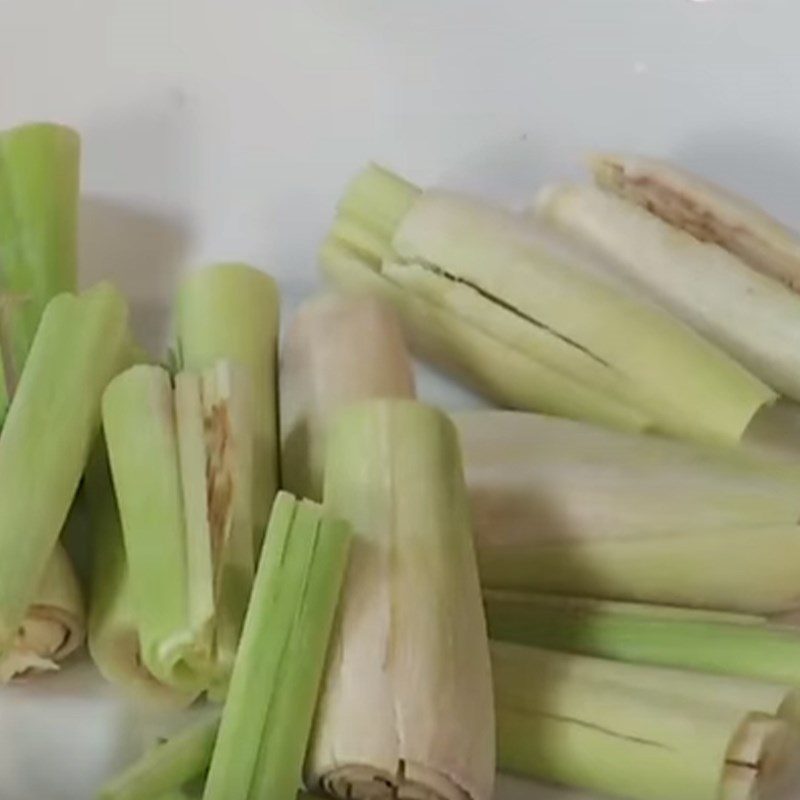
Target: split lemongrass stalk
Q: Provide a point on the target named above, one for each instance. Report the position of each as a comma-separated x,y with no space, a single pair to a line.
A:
113,635
338,350
230,312
182,469
643,733
267,719
710,259
54,625
451,263
406,709
39,184
709,641
563,507
78,347
168,767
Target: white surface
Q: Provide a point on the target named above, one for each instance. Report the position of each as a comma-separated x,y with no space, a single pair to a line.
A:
227,128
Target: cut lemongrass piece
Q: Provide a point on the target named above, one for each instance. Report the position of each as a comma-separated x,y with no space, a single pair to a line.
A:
749,315
639,732
39,184
492,367
407,707
114,642
559,506
727,644
78,348
476,263
708,212
229,437
230,312
168,767
54,626
141,435
338,350
268,713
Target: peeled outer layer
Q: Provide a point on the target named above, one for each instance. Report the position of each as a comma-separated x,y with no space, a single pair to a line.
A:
39,185
230,312
715,642
273,692
79,347
559,506
406,708
749,315
338,350
113,635
55,625
475,263
640,732
708,212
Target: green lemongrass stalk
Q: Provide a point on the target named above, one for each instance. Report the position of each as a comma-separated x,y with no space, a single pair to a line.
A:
79,346
338,350
187,522
267,718
54,625
406,704
230,312
168,767
692,275
560,506
728,644
174,618
480,265
39,184
113,633
641,732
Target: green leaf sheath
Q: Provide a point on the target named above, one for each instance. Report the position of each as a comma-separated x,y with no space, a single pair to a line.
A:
267,717
230,312
47,436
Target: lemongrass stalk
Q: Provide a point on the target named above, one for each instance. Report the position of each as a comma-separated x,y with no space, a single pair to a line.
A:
560,506
54,625
113,633
476,263
78,348
496,370
168,767
173,614
267,718
709,212
640,732
39,184
230,312
406,707
748,314
728,644
338,350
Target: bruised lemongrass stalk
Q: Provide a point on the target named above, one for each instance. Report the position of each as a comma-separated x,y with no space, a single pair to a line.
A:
39,184
476,264
562,507
406,708
113,635
166,768
702,259
230,312
642,732
184,490
78,347
717,642
54,625
338,350
267,718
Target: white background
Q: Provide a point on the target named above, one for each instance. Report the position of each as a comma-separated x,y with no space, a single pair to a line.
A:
227,128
